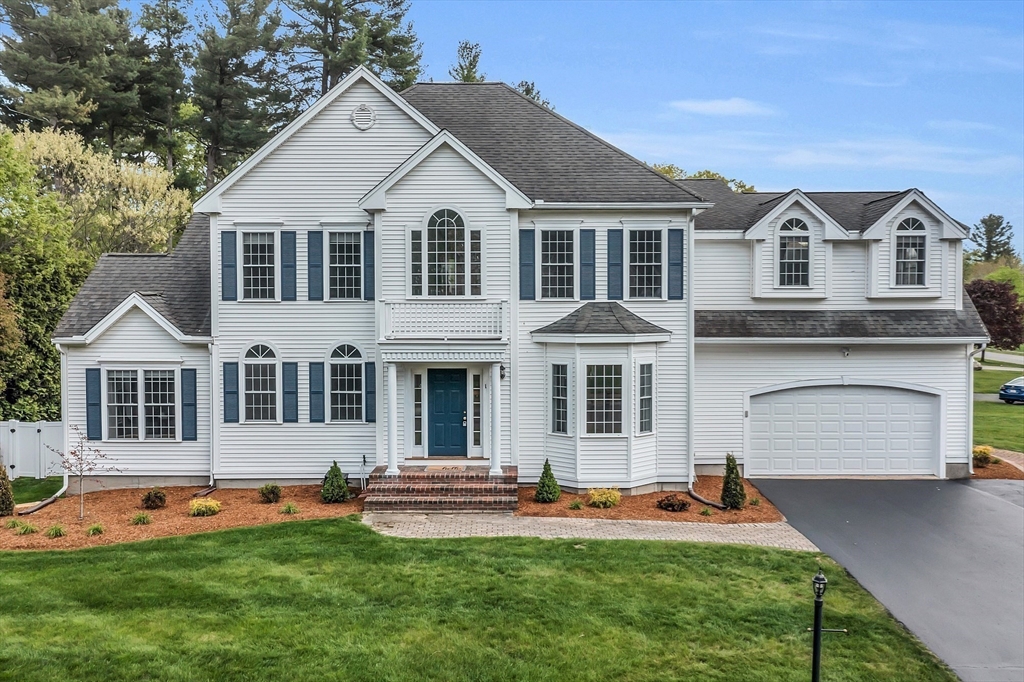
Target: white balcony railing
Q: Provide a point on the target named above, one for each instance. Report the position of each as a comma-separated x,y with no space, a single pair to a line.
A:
444,320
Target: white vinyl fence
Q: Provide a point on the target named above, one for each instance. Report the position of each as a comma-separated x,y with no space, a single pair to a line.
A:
23,448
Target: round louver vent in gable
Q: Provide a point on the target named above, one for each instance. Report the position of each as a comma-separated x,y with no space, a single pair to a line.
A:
363,117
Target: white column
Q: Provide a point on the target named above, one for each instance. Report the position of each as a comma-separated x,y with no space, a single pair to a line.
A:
392,417
495,419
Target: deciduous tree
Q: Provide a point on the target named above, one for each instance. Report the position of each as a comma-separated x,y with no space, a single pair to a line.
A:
1001,310
676,173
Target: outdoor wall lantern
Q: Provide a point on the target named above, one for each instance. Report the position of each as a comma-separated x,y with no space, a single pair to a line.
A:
502,371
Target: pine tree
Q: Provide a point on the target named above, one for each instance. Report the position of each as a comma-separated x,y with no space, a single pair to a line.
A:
164,93
466,69
329,38
334,488
530,89
733,495
994,238
547,486
6,493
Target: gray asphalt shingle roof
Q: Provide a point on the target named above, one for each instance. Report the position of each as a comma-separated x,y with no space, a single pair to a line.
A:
601,317
542,153
177,285
855,211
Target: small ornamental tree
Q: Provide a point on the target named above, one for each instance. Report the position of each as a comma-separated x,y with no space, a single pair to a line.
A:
81,461
547,486
6,493
334,489
733,495
1000,309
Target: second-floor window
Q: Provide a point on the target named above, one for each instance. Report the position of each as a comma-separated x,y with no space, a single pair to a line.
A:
446,258
910,253
645,263
345,274
557,268
794,254
260,384
258,265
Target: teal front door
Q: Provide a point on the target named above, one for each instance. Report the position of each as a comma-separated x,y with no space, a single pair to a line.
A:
446,397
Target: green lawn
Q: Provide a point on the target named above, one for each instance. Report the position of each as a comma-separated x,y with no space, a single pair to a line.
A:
989,381
35,489
332,600
999,424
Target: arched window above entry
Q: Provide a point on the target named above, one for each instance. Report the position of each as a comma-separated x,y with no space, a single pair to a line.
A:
794,254
446,259
259,351
911,243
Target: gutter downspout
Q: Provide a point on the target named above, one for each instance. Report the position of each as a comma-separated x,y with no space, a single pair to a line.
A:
64,431
970,402
212,485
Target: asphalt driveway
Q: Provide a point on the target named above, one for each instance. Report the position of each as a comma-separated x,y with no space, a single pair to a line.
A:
945,557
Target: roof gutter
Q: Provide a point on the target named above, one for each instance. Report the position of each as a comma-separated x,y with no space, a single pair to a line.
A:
620,205
81,340
852,340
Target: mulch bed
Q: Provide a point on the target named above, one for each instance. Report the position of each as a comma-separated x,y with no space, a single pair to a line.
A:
1002,470
644,507
113,509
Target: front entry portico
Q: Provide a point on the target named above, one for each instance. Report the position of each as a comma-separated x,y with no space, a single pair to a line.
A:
446,390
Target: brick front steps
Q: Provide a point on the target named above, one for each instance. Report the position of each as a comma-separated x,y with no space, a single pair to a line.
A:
442,489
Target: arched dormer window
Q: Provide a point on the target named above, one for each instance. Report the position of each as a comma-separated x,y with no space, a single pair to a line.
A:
346,384
794,254
260,384
911,242
438,257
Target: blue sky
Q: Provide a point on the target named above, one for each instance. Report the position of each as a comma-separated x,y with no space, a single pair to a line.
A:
821,96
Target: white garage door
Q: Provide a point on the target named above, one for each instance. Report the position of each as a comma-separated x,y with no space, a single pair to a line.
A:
843,430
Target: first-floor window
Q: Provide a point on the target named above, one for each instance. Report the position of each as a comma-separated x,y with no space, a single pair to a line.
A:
122,404
159,403
260,384
559,398
477,431
604,398
346,384
646,394
417,408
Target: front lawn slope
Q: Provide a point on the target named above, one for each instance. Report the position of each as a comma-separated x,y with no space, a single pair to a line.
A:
332,600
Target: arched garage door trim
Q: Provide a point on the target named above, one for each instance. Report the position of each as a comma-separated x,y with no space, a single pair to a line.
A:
854,381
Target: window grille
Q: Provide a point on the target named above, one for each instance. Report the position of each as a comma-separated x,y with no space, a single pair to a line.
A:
604,398
446,254
159,404
559,398
646,393
556,264
910,253
794,254
645,264
477,404
258,265
346,383
345,265
260,385
122,404
417,399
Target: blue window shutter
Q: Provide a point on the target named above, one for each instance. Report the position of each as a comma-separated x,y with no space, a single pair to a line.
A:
230,392
188,404
588,261
228,267
368,266
527,277
675,265
316,391
288,266
614,265
315,265
93,407
290,391
370,409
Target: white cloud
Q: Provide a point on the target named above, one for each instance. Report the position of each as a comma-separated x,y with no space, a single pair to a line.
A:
734,106
897,154
954,125
865,82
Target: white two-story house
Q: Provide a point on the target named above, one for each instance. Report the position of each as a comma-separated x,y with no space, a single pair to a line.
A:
456,276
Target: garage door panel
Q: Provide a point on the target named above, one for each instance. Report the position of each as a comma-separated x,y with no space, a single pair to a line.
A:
843,430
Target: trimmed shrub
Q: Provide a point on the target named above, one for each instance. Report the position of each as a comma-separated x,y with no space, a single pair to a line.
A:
334,489
733,495
203,506
154,499
141,519
982,455
673,503
289,508
547,486
94,529
55,531
603,498
576,504
6,493
25,529
270,493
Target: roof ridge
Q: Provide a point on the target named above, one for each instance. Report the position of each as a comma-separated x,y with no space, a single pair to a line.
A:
888,196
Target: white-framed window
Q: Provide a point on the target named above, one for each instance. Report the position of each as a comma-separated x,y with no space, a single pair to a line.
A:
794,254
604,399
260,384
558,264
142,404
560,398
910,253
259,266
645,397
646,263
346,384
345,265
417,408
446,257
477,409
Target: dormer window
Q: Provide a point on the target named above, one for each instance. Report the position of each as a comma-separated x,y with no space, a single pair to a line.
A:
439,257
794,254
910,253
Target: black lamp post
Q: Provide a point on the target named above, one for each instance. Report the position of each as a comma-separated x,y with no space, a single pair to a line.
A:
820,583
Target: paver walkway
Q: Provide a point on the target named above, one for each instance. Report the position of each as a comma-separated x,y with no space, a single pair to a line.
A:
494,525
1011,457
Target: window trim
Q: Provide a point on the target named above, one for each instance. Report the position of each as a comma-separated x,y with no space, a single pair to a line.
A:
628,228
777,256
540,228
469,227
139,368
638,363
278,381
326,266
569,364
328,362
893,266
257,228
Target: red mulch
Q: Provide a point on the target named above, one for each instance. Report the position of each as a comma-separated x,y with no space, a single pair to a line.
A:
644,507
113,509
1001,470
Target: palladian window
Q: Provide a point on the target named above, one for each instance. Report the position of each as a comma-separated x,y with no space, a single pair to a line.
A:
794,254
910,253
446,258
